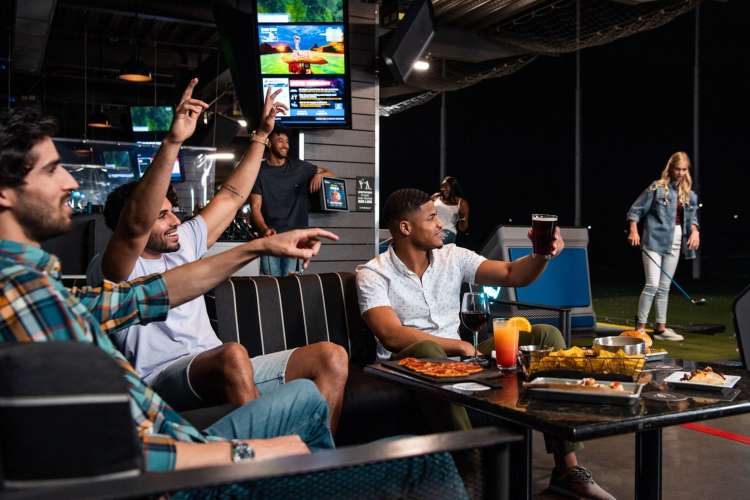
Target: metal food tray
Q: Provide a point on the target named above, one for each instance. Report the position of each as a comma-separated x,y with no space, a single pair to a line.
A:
629,396
614,368
656,356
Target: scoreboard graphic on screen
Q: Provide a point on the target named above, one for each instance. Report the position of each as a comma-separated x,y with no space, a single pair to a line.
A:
302,49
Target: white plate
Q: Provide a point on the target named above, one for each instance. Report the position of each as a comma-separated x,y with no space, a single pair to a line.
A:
470,386
674,379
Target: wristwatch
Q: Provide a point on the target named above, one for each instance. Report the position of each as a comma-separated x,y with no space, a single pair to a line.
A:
241,451
253,137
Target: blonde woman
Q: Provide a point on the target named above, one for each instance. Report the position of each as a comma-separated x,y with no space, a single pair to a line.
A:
669,210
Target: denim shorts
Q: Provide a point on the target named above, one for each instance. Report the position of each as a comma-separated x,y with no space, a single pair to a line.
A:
173,382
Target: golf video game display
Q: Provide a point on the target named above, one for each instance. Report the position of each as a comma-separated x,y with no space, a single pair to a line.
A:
151,118
302,50
301,11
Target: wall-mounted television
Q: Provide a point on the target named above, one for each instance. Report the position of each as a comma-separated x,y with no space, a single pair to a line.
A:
146,155
333,195
302,49
150,119
118,165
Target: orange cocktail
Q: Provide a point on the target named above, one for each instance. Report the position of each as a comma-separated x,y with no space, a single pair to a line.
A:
506,343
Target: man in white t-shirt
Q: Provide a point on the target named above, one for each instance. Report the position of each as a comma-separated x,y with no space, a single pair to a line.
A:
409,296
182,358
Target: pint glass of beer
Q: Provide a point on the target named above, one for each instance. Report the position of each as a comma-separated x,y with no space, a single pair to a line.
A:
543,233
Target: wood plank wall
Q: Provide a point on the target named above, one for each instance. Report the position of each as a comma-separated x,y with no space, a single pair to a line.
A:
351,153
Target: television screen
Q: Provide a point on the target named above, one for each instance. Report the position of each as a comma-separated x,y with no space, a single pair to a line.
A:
144,161
113,159
151,118
333,194
310,101
118,164
301,49
297,11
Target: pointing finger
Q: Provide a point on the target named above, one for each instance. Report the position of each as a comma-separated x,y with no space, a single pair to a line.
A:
188,92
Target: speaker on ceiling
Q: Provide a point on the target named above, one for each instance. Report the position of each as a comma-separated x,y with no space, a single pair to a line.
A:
409,40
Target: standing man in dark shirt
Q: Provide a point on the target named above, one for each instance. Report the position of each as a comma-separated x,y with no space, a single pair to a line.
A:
280,197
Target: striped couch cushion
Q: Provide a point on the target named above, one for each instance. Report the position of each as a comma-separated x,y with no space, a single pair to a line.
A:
267,314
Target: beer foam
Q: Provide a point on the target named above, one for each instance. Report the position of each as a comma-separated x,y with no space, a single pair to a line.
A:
545,219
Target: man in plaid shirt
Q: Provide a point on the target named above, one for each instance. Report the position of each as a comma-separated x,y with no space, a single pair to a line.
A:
35,307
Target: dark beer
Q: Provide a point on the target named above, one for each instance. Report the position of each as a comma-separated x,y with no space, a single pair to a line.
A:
543,233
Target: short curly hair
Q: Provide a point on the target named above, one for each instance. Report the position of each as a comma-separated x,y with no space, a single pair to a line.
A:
20,130
119,197
401,203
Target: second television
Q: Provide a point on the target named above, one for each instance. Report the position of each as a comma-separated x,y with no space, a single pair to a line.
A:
304,52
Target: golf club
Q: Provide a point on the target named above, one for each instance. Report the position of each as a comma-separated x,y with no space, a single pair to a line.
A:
698,301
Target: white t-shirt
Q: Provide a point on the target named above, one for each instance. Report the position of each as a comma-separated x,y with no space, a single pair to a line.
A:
448,215
431,304
187,329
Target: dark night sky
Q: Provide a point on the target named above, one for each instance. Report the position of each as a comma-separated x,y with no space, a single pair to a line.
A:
511,140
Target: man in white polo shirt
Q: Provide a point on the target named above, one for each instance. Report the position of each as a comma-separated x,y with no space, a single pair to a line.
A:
409,296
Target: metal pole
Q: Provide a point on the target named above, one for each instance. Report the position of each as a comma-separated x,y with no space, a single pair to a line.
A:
85,77
376,173
10,62
577,167
443,124
696,125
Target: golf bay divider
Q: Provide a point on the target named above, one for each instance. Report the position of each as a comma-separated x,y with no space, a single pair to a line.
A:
565,282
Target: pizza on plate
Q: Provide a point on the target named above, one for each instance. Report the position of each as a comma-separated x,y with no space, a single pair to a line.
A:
441,369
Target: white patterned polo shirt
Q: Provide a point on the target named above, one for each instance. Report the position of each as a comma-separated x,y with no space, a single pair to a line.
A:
431,304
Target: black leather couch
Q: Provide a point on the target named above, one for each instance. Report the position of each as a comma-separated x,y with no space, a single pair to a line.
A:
66,432
267,314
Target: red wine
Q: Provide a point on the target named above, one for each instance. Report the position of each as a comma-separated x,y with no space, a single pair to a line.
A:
474,321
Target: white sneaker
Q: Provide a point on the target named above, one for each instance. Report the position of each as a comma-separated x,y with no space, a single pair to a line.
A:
669,334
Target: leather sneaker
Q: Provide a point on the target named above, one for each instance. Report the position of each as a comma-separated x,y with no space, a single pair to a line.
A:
668,334
577,482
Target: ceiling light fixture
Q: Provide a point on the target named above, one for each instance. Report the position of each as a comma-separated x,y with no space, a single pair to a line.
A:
100,119
135,70
242,122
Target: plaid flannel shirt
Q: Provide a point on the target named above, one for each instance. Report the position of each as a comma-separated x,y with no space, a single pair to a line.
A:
36,307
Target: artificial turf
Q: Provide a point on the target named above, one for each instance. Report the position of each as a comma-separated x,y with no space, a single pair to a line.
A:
619,305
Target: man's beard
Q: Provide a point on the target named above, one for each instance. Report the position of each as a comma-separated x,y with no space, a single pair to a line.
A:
39,222
160,245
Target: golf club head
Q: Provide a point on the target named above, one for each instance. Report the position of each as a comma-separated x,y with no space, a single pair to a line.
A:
699,301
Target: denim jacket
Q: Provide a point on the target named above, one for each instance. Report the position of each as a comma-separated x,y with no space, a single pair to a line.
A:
660,211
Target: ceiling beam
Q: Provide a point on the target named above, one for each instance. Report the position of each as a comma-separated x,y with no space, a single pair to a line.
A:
31,32
141,15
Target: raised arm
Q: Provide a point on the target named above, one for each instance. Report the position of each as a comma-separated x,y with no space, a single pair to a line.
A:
519,272
219,213
143,207
385,324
